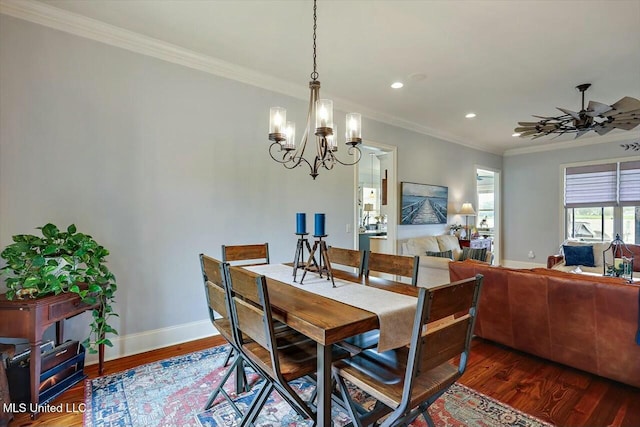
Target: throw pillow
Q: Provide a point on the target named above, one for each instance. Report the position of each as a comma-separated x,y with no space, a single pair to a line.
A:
443,254
479,254
578,255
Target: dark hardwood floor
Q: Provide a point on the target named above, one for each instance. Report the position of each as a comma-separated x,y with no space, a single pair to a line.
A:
549,391
552,392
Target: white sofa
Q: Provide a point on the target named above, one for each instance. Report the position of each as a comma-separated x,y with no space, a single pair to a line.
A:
598,248
433,271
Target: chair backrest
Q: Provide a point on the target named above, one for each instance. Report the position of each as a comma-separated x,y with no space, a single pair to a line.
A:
399,265
246,254
212,274
251,310
347,257
457,303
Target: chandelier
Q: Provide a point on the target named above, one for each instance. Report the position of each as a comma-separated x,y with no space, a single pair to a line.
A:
284,150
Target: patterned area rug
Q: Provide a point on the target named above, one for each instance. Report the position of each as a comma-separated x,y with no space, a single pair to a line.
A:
173,392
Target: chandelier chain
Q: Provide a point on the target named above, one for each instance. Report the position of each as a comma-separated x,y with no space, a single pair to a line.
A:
314,75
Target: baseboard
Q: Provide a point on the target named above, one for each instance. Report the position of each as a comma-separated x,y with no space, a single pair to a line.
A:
521,264
129,345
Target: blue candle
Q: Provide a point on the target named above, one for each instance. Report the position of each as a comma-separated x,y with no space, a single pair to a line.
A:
319,224
301,223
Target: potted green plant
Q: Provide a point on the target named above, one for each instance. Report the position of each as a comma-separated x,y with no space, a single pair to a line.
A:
63,261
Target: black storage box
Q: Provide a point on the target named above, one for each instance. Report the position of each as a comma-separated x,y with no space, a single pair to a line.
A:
61,368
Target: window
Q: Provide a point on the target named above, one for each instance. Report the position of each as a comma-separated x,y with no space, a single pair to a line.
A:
603,200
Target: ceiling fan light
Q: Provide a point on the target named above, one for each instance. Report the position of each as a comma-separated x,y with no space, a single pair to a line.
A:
470,115
516,134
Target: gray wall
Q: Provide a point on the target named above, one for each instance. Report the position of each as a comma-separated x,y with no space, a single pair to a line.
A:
160,163
533,197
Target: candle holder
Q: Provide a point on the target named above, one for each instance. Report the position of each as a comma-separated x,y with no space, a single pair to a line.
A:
618,260
324,266
299,258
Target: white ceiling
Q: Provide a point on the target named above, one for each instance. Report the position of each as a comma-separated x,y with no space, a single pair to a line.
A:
504,60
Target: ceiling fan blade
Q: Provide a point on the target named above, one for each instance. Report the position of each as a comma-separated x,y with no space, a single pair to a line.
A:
525,129
627,104
544,117
559,134
601,130
625,115
569,112
539,135
623,125
582,132
528,123
597,108
528,133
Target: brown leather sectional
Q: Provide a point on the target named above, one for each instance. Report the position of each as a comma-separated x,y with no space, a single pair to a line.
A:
585,321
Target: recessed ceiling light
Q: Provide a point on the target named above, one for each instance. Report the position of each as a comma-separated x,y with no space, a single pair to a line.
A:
516,134
397,85
470,115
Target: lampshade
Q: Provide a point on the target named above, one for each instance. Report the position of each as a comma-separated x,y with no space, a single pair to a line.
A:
368,207
467,209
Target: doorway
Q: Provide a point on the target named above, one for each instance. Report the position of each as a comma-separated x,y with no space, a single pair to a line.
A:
375,212
488,215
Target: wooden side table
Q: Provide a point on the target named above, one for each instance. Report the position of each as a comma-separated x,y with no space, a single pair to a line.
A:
464,243
29,318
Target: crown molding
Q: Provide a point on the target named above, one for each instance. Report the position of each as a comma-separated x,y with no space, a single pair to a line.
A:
626,136
82,26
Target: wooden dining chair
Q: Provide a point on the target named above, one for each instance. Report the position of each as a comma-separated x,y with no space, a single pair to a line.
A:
407,380
246,254
280,358
215,284
347,257
398,265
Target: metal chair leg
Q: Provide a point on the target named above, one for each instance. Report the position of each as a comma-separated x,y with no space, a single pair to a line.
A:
226,361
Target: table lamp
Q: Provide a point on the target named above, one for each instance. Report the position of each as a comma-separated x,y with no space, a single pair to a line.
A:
368,207
467,211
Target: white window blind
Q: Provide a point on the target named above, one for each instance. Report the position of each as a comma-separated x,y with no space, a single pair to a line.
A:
593,185
630,183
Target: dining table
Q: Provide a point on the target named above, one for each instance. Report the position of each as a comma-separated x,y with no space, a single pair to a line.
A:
325,320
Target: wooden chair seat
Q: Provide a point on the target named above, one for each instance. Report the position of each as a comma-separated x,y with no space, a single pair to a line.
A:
224,327
296,360
297,355
382,376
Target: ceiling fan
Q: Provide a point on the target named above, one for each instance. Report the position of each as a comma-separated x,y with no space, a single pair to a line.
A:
599,117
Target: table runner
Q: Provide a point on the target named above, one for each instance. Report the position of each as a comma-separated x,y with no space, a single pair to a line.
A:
395,312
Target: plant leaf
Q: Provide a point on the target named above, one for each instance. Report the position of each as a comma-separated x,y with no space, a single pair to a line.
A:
50,231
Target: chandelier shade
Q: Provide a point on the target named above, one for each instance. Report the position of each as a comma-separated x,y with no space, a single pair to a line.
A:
284,150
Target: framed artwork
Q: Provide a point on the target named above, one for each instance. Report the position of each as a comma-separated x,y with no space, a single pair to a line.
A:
423,204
